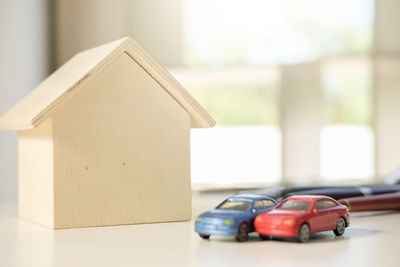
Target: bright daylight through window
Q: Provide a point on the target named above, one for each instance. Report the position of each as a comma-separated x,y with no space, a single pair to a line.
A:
232,68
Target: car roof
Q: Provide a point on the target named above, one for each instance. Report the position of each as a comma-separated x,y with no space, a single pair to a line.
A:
309,197
250,197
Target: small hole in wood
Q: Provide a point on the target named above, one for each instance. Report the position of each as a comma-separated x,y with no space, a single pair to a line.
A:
123,163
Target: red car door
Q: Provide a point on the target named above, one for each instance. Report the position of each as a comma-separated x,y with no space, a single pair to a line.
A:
320,218
333,214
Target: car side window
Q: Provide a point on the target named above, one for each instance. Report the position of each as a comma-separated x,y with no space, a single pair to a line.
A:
324,204
319,205
258,205
329,203
268,203
263,204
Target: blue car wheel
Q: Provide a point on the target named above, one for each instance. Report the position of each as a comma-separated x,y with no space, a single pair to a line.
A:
204,236
243,233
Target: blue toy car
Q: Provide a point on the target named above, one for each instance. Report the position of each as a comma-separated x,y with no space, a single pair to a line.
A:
233,217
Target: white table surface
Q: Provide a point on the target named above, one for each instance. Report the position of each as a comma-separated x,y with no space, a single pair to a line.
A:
371,240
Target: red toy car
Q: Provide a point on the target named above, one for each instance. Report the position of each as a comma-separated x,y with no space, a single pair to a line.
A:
300,216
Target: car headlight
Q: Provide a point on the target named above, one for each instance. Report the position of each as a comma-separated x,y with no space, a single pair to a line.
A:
288,222
227,221
198,219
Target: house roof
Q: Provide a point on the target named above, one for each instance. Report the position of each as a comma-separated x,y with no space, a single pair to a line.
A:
79,70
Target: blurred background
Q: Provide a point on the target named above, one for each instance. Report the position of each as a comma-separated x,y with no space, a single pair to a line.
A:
303,91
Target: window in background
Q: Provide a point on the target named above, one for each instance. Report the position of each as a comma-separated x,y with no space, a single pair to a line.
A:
347,142
245,146
265,32
232,54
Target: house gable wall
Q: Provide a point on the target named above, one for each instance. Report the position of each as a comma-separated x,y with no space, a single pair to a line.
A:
121,152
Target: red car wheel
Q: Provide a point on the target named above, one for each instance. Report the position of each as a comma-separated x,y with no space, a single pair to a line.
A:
304,233
340,227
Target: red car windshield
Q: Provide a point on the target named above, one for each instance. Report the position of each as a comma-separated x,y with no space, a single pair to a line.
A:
295,205
235,205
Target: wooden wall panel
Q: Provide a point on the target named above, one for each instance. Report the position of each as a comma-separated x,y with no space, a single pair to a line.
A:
121,152
35,171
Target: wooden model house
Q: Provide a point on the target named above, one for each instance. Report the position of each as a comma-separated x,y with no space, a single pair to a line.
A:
105,140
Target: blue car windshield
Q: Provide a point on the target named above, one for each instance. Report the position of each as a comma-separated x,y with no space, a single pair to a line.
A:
295,205
235,205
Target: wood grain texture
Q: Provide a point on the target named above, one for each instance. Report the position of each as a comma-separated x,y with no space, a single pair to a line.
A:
79,70
35,171
105,140
122,152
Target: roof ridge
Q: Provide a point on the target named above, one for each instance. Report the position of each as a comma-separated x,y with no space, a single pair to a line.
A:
82,68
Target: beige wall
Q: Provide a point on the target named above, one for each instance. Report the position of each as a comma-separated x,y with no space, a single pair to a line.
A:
157,25
387,21
25,59
81,25
387,86
387,114
301,122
